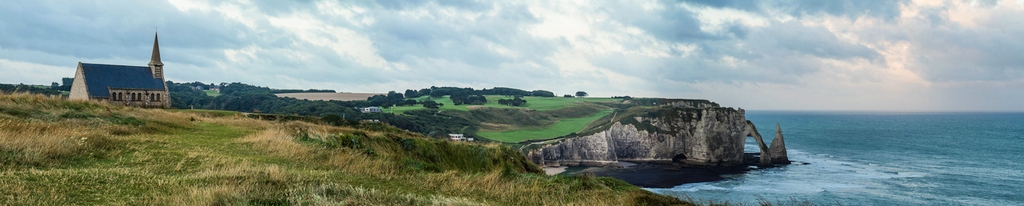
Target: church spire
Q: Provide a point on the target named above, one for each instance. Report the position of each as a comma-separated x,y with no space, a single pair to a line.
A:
155,66
155,60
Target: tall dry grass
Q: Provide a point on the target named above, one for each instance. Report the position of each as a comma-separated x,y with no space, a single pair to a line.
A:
283,141
49,143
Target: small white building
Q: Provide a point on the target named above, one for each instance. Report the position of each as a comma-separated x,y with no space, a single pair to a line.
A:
372,109
459,137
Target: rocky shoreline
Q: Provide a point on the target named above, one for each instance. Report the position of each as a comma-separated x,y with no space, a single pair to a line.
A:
668,174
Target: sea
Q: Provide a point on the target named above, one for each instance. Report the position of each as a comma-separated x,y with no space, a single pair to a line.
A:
880,158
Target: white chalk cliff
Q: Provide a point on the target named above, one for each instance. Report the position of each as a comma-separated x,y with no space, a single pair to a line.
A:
706,135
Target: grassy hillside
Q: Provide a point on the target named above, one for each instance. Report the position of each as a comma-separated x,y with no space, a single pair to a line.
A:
560,128
535,103
540,118
58,152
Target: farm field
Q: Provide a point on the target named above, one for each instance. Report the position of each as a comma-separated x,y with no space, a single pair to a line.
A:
327,96
561,128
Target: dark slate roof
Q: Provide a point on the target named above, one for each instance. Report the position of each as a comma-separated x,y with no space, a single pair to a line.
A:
99,76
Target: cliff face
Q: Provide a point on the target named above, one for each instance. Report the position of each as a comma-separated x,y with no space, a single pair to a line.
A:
708,136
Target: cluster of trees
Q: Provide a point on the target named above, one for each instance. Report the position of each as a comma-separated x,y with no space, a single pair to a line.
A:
391,99
431,104
461,99
11,88
581,94
518,101
65,84
54,88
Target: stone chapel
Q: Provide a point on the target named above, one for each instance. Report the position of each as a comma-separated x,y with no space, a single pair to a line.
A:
138,86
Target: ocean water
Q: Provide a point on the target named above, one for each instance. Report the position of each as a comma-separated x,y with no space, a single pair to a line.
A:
881,158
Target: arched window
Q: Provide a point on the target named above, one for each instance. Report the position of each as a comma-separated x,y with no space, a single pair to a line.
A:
158,97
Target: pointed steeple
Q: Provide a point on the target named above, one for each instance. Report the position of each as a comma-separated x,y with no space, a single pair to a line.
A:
155,65
155,60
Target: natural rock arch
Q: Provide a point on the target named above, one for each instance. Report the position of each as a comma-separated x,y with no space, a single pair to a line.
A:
751,131
774,154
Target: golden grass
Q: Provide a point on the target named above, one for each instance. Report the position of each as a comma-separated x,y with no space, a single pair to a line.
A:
48,143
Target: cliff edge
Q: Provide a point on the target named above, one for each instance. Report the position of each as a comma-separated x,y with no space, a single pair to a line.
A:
692,134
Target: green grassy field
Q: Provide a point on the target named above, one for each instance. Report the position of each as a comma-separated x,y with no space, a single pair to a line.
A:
60,152
212,93
402,109
560,128
535,103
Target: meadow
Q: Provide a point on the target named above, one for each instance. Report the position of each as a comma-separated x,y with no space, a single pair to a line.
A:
561,128
535,103
60,152
525,125
212,93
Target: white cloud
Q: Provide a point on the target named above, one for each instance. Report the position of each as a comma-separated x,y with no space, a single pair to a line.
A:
714,20
31,73
346,43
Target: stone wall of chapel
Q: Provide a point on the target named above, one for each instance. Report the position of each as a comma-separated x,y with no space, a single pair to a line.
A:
139,98
78,88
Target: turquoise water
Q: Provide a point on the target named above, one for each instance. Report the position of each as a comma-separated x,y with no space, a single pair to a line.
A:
882,158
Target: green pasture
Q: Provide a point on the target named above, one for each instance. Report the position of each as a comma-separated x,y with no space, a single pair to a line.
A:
402,109
535,103
212,93
561,128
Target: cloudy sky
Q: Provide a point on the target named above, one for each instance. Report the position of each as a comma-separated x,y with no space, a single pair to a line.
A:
926,55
